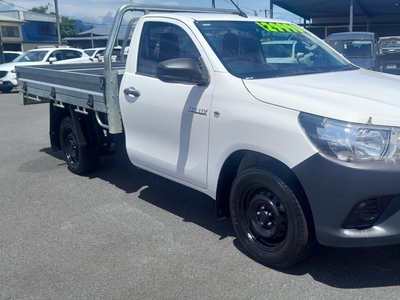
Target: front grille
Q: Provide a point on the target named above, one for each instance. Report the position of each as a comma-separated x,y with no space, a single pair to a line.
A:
3,73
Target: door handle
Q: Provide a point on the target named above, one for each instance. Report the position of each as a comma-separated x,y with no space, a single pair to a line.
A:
131,91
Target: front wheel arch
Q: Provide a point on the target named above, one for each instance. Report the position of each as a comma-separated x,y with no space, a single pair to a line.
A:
242,159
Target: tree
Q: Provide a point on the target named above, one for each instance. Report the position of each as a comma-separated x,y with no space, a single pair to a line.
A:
41,9
67,25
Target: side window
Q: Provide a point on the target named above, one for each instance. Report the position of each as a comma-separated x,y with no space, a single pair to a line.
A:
162,41
57,54
70,54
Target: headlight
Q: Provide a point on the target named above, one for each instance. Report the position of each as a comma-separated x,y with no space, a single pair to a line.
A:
351,141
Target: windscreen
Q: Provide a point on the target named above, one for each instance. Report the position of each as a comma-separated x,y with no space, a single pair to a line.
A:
391,43
355,48
269,49
89,52
32,56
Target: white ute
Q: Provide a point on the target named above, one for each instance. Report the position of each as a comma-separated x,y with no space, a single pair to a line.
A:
295,151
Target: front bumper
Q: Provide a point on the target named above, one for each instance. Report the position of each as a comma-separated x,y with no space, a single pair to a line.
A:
334,188
6,85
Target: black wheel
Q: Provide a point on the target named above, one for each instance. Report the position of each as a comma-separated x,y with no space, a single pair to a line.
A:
268,218
80,159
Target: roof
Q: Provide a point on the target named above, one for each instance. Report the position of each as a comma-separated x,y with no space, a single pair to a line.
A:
352,35
190,17
29,16
391,37
4,18
85,38
310,9
95,31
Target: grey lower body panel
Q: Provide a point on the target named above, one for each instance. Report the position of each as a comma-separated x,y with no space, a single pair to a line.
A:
334,188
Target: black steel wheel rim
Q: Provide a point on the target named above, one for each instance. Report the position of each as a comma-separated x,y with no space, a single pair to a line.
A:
71,147
264,218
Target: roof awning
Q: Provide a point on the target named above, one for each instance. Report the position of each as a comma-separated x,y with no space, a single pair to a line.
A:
309,9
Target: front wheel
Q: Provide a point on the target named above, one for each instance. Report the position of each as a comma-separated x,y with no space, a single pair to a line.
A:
268,218
81,159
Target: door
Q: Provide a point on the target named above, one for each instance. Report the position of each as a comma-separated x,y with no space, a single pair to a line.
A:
166,126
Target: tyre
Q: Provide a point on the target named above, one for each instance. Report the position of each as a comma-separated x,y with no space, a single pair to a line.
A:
268,218
6,90
80,159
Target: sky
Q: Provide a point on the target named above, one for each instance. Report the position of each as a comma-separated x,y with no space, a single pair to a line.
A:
101,12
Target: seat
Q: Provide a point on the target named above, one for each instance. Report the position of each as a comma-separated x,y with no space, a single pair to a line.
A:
41,56
350,51
365,50
251,49
168,46
230,45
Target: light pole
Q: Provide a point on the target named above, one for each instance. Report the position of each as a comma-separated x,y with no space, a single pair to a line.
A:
58,22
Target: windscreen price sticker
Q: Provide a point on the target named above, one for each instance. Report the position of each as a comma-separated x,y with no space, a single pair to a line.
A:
279,27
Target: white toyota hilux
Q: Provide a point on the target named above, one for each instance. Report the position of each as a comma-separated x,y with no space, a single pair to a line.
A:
293,150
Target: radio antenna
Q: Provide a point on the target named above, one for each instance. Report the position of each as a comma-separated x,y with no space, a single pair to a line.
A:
241,12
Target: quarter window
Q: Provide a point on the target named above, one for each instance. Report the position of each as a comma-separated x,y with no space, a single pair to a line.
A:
70,54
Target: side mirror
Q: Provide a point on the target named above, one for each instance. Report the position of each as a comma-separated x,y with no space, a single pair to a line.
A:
181,70
52,59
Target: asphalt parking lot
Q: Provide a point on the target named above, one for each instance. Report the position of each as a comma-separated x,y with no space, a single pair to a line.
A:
123,233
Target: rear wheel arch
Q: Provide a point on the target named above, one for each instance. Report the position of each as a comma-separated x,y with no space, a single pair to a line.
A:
78,136
87,124
57,114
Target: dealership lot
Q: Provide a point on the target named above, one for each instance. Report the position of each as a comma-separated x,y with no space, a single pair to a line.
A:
123,233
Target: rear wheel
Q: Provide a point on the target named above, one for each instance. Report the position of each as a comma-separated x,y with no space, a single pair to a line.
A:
269,219
80,159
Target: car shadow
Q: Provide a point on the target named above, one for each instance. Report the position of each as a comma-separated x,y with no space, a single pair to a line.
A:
190,205
13,91
346,268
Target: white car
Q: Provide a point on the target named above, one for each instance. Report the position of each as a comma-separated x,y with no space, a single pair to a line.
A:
9,56
8,79
97,54
94,53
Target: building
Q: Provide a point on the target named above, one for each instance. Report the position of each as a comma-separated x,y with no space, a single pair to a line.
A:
24,30
92,38
11,35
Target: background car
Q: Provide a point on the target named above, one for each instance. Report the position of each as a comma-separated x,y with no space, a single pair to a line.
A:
8,79
9,56
389,54
97,54
358,47
94,53
286,51
280,51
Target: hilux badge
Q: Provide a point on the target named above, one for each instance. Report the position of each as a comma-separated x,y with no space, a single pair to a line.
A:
199,111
